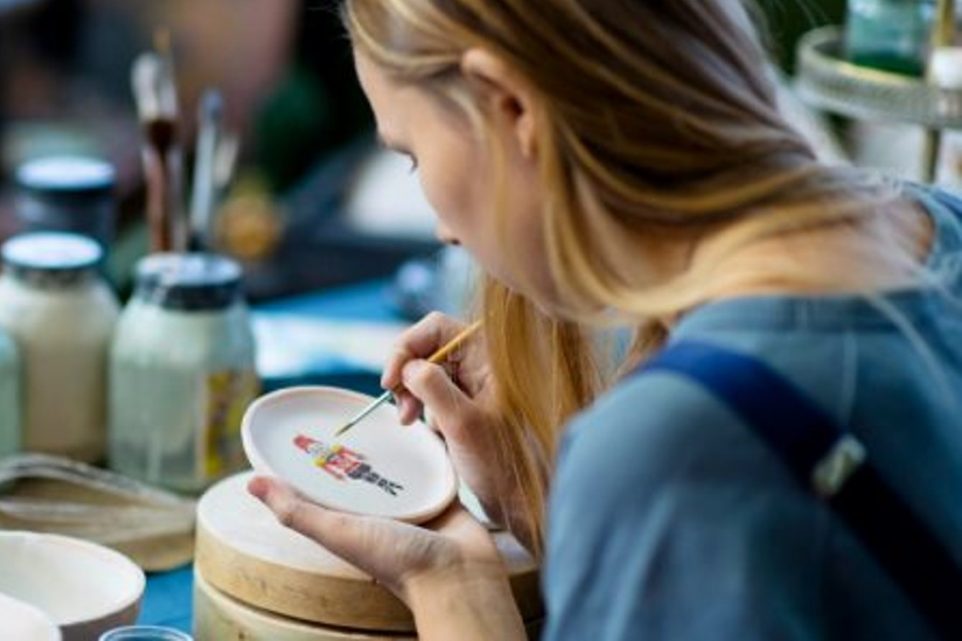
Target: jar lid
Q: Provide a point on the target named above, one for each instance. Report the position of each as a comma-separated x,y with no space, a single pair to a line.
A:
66,175
51,252
189,281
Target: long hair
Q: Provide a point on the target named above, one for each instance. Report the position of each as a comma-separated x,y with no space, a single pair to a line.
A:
658,122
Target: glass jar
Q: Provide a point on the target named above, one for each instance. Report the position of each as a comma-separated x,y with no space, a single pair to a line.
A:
61,315
9,396
946,71
67,193
892,35
145,633
182,373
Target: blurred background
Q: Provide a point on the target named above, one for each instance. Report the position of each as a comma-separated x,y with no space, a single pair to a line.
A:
297,212
311,202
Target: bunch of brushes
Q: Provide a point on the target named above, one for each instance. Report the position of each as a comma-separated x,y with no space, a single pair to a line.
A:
155,92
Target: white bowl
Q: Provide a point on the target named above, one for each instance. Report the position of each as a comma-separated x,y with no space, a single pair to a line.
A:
383,469
86,589
22,622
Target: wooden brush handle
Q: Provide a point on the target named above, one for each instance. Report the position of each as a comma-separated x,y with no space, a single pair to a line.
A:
454,343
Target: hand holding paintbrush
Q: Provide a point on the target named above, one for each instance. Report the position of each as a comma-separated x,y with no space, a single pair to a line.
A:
463,407
436,358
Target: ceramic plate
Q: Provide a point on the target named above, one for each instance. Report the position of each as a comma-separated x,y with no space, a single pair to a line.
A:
378,467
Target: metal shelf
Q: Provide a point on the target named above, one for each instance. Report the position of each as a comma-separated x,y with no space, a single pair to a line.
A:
829,82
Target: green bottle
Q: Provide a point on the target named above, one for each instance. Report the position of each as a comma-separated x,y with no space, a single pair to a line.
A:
891,35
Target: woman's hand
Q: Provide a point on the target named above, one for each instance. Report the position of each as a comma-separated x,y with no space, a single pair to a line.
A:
451,576
459,396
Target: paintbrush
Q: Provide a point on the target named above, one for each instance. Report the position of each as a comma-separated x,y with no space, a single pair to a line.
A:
204,194
435,358
155,91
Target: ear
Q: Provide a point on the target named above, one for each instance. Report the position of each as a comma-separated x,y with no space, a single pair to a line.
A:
506,93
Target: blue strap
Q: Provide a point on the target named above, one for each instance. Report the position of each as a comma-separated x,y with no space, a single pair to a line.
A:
813,446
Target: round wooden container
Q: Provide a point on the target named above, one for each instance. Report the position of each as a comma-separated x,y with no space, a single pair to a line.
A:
246,556
218,617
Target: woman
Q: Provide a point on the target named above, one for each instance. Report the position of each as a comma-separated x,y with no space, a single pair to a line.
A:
617,162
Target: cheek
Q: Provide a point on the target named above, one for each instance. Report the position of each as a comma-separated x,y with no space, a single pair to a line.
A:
458,182
449,175
458,191
446,189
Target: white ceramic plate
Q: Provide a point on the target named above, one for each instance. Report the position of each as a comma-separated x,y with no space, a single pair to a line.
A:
378,467
84,588
22,622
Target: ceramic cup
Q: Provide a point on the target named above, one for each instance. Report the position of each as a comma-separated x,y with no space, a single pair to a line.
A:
84,588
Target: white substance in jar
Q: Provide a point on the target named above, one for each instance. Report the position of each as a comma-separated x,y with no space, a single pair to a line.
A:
61,315
182,373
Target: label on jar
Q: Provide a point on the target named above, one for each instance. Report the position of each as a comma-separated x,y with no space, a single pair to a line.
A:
226,397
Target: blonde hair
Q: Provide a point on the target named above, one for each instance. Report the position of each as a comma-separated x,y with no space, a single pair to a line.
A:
658,121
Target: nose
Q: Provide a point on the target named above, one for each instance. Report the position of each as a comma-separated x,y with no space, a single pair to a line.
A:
443,234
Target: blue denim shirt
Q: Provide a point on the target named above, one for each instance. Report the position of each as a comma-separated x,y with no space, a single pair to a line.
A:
669,520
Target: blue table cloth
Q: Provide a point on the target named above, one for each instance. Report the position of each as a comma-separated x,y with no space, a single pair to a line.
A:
168,600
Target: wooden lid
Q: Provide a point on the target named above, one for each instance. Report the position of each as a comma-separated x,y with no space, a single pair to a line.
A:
244,552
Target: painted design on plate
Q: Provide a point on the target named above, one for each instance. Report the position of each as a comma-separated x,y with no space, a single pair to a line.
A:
343,463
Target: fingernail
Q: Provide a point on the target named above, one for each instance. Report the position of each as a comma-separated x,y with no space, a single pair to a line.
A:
406,407
258,487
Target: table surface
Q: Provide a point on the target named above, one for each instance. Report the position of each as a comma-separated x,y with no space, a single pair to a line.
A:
168,600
